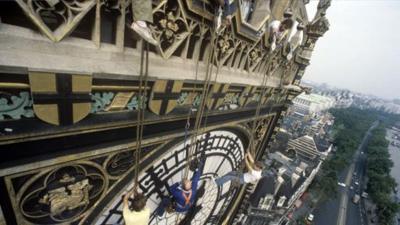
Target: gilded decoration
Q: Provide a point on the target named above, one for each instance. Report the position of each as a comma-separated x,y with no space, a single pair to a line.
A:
120,101
164,96
261,129
225,47
268,96
217,95
16,107
117,164
231,98
61,195
274,62
171,27
60,98
247,95
231,101
70,197
255,57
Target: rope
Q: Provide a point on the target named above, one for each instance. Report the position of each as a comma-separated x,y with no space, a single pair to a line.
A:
258,109
142,94
208,111
215,80
287,67
187,126
203,100
199,114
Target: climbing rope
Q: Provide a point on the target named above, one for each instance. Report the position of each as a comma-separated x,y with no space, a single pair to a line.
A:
142,95
253,151
257,113
203,99
200,111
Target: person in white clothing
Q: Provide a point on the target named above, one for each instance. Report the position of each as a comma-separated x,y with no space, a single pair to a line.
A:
277,30
142,13
253,174
137,213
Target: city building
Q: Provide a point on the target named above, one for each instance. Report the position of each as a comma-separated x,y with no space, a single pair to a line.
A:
306,104
279,192
299,148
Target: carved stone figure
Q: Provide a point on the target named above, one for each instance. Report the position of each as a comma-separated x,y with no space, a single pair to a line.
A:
323,5
67,198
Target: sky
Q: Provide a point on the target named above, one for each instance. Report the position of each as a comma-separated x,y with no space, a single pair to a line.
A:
361,50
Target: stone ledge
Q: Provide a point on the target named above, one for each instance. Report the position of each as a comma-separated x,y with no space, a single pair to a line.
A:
26,48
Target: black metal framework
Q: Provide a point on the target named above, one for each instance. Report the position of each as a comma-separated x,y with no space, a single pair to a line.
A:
223,151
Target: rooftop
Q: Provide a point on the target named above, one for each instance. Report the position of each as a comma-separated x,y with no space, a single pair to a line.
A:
315,98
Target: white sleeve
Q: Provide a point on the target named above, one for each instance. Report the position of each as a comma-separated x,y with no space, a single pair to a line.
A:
256,174
274,26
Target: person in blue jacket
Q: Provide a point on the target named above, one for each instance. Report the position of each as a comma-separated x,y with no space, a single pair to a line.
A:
224,13
183,193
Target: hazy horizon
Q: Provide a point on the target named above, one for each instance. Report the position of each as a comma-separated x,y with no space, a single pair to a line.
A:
360,51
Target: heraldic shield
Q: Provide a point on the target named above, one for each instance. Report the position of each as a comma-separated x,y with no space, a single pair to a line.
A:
60,98
217,95
247,95
269,94
164,96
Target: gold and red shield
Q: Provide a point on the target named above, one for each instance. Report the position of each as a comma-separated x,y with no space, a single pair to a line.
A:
217,95
164,96
247,95
60,98
267,95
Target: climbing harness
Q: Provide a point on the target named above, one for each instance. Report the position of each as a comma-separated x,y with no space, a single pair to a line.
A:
187,198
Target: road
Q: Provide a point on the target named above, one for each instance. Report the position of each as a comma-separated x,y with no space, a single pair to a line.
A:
342,210
395,157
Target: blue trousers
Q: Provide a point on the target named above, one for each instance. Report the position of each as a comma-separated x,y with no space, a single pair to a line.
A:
164,204
231,176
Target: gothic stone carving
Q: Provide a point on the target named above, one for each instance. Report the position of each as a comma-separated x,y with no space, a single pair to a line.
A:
65,13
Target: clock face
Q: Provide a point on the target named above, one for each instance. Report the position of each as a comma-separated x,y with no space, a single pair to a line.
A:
223,152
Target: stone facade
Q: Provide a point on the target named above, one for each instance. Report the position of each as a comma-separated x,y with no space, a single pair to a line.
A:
73,104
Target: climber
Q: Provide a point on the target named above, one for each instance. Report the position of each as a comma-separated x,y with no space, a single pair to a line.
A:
183,194
278,30
253,174
142,14
224,12
137,213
